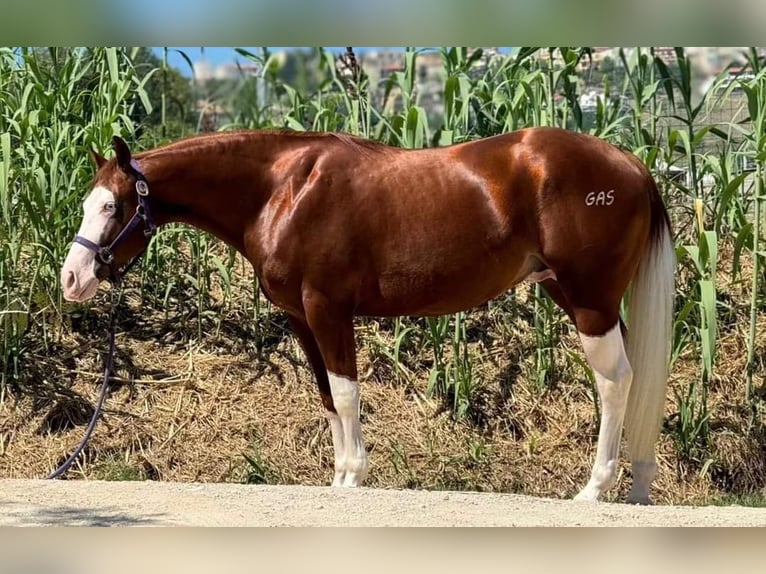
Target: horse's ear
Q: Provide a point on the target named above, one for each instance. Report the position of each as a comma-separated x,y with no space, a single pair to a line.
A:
123,152
98,159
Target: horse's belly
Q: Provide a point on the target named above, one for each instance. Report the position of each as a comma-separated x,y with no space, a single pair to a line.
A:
429,292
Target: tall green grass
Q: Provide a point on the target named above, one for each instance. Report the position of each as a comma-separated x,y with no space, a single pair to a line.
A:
54,104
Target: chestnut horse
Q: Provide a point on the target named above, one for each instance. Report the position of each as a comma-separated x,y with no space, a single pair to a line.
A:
336,226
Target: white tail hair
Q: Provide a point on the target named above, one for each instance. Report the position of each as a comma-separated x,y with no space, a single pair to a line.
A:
648,342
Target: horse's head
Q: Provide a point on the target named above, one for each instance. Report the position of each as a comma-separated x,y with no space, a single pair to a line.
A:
115,229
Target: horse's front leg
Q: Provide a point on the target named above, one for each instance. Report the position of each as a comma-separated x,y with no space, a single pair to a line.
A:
314,355
333,330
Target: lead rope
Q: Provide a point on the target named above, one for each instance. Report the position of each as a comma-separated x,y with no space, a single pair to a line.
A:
108,365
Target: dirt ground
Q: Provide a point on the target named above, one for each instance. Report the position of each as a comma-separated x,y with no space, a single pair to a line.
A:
98,503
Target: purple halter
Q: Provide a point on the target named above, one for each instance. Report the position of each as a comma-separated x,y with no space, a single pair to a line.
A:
104,253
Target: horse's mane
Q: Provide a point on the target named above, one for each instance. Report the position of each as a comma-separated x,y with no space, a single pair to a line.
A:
360,143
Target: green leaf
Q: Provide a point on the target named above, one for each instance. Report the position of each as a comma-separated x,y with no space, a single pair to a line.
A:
710,239
700,134
687,148
709,329
683,314
667,80
693,252
114,70
726,196
416,127
744,239
294,124
450,95
524,53
186,59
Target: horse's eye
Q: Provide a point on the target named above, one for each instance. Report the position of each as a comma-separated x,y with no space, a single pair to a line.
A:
109,206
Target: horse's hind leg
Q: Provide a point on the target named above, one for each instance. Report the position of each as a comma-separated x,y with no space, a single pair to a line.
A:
334,333
311,349
601,334
606,354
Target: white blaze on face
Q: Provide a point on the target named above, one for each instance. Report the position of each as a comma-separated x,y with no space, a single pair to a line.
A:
78,275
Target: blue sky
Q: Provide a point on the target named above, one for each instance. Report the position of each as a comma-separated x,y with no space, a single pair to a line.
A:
219,55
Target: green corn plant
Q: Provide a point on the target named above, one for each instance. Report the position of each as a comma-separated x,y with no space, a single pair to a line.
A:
504,97
641,88
610,118
393,354
451,378
407,126
571,113
437,329
254,100
354,87
728,215
54,103
403,335
463,384
755,150
693,406
692,435
688,106
547,338
458,93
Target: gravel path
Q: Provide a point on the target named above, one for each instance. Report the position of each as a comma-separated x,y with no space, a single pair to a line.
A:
93,503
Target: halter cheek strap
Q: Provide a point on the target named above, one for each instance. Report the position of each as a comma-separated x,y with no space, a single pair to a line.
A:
143,215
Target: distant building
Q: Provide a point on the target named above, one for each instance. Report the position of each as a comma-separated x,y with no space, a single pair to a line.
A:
204,71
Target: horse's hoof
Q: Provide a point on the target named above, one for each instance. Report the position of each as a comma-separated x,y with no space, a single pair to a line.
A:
352,480
338,479
587,494
641,499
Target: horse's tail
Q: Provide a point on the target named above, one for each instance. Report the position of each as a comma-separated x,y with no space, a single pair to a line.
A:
649,337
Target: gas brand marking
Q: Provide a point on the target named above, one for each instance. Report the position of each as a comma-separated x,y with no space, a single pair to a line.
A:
600,198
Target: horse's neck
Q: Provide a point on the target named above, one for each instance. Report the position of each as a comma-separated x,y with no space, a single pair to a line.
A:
217,192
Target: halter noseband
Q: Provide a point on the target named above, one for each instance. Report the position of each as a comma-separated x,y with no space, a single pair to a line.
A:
104,253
